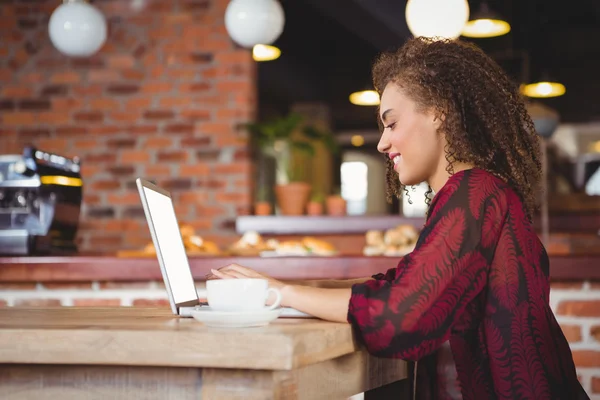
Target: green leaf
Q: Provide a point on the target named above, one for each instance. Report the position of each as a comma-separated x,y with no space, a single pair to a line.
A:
304,147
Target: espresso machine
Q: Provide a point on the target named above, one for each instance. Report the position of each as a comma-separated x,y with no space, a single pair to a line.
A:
40,203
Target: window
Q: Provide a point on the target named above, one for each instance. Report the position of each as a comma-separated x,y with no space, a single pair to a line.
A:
354,186
418,208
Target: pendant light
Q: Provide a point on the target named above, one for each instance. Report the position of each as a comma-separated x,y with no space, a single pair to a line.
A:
265,52
252,22
485,23
437,18
367,97
77,29
546,87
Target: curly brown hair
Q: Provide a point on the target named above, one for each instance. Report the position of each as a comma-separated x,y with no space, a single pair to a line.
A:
485,120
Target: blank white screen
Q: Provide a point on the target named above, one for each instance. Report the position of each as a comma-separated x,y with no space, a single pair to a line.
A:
171,246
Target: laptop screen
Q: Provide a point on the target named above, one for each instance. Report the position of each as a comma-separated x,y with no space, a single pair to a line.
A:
171,247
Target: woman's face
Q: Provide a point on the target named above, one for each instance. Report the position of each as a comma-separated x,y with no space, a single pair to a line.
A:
410,137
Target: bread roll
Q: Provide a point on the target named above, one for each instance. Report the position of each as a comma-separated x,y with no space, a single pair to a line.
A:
374,238
291,248
318,246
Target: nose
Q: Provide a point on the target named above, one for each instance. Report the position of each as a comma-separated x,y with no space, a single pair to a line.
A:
384,144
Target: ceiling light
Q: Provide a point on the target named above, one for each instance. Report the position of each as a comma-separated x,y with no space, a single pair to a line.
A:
437,18
265,52
357,140
365,98
77,29
252,22
543,89
485,24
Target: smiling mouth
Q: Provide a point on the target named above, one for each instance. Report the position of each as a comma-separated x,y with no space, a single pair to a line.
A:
396,159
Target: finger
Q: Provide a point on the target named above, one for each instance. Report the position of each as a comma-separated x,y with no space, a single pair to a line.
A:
221,274
245,270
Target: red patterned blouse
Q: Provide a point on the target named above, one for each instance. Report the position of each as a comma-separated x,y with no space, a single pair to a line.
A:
478,280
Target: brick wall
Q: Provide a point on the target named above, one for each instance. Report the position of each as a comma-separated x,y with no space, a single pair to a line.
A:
163,99
576,305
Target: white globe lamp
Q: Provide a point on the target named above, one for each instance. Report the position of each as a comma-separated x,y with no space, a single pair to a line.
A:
77,29
437,18
252,22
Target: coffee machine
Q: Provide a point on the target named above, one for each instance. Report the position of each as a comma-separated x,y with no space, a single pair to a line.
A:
40,202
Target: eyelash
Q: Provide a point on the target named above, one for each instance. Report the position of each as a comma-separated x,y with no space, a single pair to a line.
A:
391,126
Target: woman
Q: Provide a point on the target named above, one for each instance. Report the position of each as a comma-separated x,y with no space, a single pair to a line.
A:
478,278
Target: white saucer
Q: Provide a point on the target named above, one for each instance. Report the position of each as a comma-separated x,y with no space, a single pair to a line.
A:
234,319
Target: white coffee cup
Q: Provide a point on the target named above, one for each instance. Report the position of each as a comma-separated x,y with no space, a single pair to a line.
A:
240,294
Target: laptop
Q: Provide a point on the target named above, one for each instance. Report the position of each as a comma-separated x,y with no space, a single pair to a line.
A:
171,254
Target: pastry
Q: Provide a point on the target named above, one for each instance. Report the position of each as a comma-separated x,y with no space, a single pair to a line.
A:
318,246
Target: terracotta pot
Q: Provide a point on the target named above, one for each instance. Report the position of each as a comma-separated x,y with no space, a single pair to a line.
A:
262,208
336,205
314,208
292,198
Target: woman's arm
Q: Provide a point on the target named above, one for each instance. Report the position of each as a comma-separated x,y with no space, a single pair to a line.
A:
328,304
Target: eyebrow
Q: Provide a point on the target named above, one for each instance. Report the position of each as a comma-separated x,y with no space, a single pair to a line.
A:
385,114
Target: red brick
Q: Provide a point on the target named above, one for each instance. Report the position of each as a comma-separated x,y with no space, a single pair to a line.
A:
121,61
53,117
142,129
216,128
53,145
102,130
125,285
142,102
572,333
194,170
133,74
125,116
135,156
579,308
159,114
101,158
91,199
103,104
233,168
202,141
177,184
179,101
198,115
157,87
151,303
193,197
96,302
16,91
37,303
596,384
202,225
89,116
127,199
230,114
232,197
595,332
67,285
71,130
199,87
204,211
179,129
34,104
65,77
158,170
123,89
158,142
120,143
172,156
586,358
88,91
17,286
65,103
103,75
222,141
106,185
18,118
32,77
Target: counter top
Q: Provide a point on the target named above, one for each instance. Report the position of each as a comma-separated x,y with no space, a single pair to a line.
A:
101,268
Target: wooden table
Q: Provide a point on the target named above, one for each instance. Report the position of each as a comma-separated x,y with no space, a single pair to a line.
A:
126,353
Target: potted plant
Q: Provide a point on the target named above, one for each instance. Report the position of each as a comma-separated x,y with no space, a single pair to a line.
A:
284,139
336,204
262,206
315,205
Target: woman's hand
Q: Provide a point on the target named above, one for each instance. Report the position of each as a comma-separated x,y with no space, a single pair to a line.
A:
236,271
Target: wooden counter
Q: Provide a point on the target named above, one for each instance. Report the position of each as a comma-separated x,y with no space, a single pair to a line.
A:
99,268
118,353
